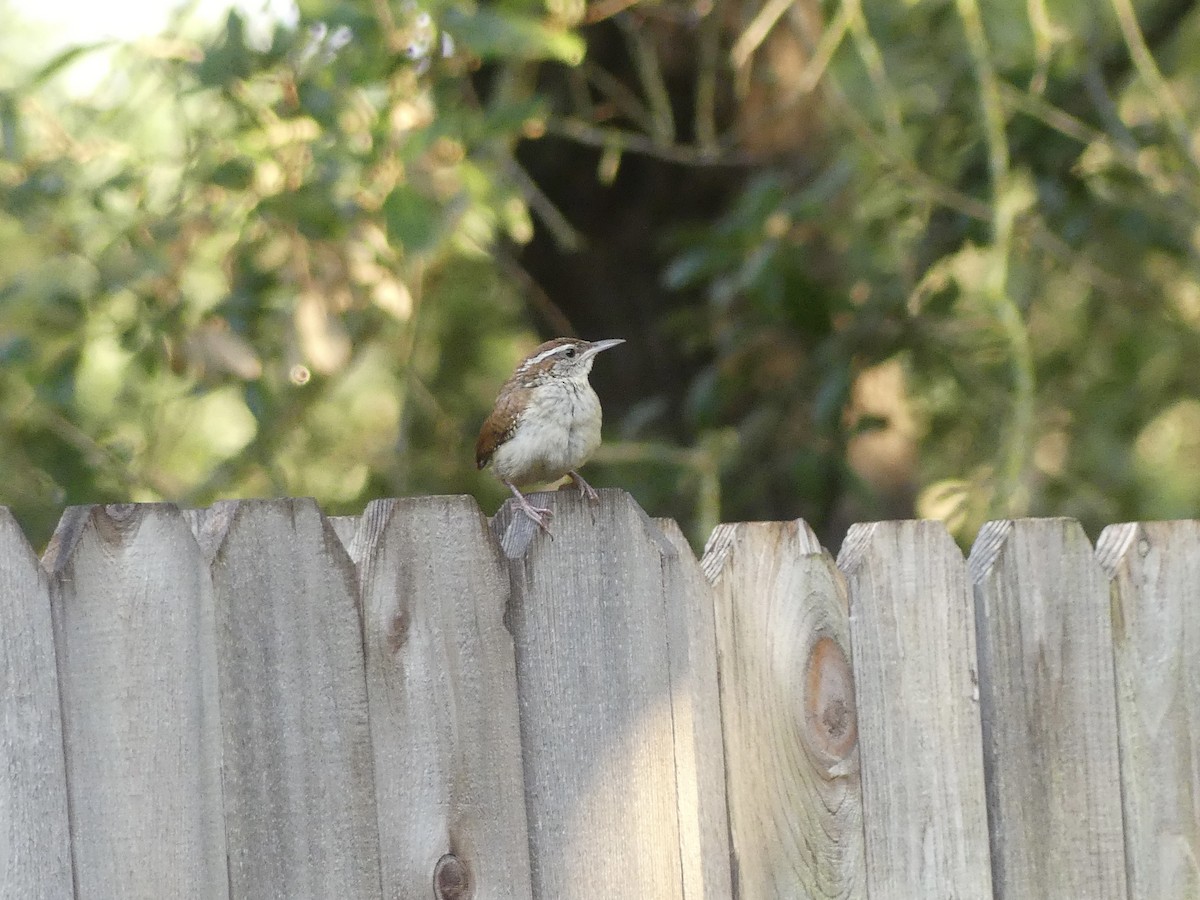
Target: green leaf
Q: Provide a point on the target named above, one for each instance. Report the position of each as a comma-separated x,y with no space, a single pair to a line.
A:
233,174
11,144
64,59
495,33
311,208
413,220
229,61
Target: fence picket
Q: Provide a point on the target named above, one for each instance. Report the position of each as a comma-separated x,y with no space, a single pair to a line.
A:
442,686
912,631
594,684
1155,575
1049,712
787,693
35,851
133,622
298,777
696,712
255,700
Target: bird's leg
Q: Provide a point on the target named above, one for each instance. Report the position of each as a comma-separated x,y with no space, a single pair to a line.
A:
584,488
539,514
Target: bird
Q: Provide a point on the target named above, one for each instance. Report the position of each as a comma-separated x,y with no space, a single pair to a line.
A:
546,421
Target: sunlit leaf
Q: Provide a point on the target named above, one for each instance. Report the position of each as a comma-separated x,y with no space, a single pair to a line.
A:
496,32
64,59
413,220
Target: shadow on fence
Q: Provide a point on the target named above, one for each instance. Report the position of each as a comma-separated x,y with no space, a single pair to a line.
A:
259,701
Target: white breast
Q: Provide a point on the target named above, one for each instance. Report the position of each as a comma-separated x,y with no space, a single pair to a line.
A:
557,433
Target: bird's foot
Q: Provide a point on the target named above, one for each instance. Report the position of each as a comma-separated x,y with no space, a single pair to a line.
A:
540,515
584,488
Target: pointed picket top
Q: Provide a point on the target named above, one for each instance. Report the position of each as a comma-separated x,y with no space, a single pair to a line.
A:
716,551
720,542
297,744
17,551
989,544
458,514
35,854
209,525
1117,542
67,532
790,712
346,527
284,515
913,637
141,727
441,680
1154,570
573,515
1049,711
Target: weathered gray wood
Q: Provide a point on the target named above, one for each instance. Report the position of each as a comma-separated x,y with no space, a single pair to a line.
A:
912,632
594,682
442,686
35,852
787,695
299,787
1155,573
133,621
696,711
1049,712
346,527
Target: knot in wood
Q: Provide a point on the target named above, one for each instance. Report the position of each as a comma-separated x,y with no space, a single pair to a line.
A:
121,512
115,522
397,632
830,714
451,880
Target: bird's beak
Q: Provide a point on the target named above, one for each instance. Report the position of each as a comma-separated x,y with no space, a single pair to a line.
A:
601,345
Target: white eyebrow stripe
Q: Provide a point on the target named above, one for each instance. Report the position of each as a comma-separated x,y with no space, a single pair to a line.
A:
544,355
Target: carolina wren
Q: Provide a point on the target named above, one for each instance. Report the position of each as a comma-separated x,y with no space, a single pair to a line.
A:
546,421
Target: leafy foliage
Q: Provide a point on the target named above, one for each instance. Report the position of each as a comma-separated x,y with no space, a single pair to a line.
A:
955,266
228,271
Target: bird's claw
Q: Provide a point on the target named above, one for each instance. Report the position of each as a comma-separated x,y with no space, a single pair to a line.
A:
539,514
584,488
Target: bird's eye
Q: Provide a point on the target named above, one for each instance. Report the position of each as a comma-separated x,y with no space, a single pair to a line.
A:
570,353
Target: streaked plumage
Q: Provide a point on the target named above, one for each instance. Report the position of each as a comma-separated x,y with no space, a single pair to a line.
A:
546,422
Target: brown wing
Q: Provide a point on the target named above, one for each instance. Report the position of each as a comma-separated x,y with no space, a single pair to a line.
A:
499,426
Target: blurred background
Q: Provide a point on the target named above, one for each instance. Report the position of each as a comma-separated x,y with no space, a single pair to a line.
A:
873,259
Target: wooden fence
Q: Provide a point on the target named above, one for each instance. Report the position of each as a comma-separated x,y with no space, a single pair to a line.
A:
257,701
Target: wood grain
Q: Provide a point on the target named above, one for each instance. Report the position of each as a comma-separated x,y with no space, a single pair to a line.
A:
133,621
696,712
593,652
912,632
1049,712
258,701
442,685
787,695
1155,576
35,850
346,528
298,776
